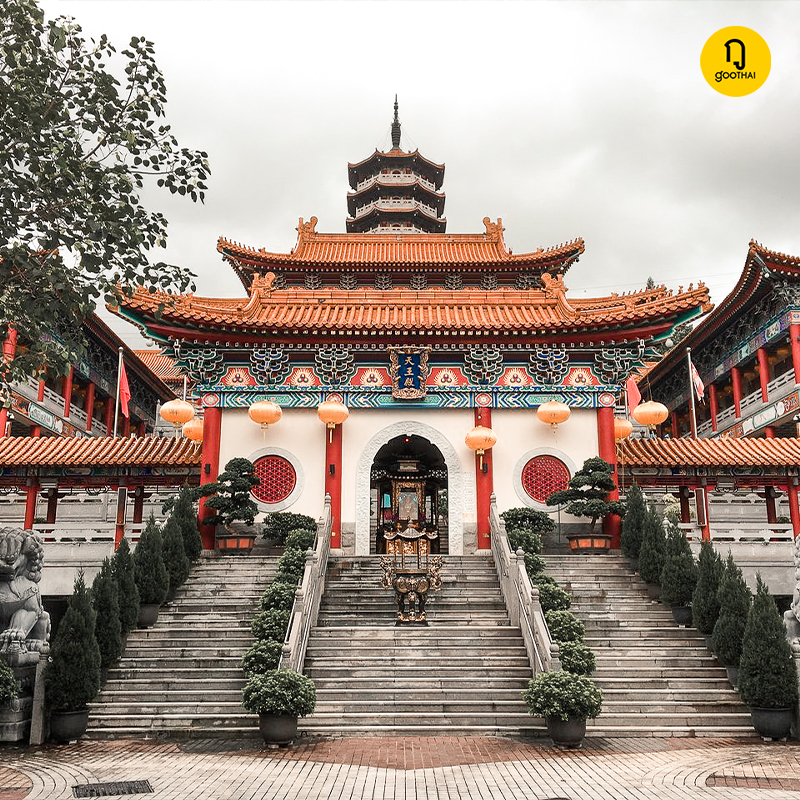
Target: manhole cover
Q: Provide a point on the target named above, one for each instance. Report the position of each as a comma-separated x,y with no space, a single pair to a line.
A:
110,789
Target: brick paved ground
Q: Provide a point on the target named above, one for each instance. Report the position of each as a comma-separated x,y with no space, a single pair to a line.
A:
413,769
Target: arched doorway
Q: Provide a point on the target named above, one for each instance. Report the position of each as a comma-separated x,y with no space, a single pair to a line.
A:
408,488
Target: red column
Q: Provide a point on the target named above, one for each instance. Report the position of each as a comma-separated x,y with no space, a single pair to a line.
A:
209,469
713,404
763,372
66,390
333,481
484,483
126,427
607,450
673,418
141,428
109,420
683,496
88,406
37,429
31,495
794,340
769,496
701,504
794,508
122,501
736,382
769,432
52,505
9,351
138,504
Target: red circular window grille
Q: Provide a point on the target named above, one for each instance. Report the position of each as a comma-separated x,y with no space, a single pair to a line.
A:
543,475
277,479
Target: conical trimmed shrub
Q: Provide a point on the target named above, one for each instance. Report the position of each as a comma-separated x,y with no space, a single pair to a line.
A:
705,600
152,579
127,593
633,523
652,551
767,676
734,608
679,574
72,677
185,515
108,629
175,559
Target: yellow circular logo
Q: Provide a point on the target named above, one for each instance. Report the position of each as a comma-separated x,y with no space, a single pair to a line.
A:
735,61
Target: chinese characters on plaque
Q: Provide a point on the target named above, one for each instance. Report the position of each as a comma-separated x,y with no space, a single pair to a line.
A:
408,368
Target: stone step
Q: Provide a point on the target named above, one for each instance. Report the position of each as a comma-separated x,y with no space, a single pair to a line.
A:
427,728
415,675
465,682
455,720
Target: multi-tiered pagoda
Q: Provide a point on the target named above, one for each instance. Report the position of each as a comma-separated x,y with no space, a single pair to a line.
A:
395,192
422,336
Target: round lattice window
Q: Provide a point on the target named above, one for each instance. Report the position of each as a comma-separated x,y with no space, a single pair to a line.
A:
543,475
277,479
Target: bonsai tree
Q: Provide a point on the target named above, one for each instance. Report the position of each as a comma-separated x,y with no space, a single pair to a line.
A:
280,693
705,601
652,551
230,495
181,507
108,629
279,524
9,685
632,525
767,676
734,609
563,695
587,495
679,573
152,579
262,656
175,559
72,677
122,569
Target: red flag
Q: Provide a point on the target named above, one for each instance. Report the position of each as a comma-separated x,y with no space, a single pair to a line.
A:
634,395
124,390
699,386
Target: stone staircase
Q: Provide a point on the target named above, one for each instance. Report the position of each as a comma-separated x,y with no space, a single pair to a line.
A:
461,675
657,679
181,678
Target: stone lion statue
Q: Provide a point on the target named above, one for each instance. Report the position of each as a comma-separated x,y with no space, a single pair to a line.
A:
24,624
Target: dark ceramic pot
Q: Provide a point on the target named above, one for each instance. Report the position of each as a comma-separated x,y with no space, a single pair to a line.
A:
148,614
566,733
682,615
772,723
67,726
277,729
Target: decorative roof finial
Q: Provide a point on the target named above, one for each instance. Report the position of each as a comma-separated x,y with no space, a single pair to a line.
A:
395,128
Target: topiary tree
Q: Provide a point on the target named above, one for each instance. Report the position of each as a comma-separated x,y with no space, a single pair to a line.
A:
291,565
279,524
271,624
182,508
301,539
564,626
587,495
72,677
734,608
262,656
122,568
152,578
551,596
679,573
527,519
229,496
534,565
108,628
653,549
632,525
175,559
529,541
576,658
705,600
278,595
767,676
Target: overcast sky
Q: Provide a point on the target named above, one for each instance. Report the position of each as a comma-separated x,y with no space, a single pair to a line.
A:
566,119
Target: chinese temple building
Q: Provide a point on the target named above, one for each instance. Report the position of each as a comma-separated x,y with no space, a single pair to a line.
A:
408,343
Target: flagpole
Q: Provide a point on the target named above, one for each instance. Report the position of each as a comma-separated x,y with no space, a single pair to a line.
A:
116,401
691,392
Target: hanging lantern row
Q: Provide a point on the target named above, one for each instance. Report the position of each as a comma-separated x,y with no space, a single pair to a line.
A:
332,413
193,429
480,439
553,413
622,428
265,413
177,413
650,413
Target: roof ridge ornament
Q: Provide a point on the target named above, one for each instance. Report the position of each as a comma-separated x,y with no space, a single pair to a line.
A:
306,230
395,127
554,288
494,230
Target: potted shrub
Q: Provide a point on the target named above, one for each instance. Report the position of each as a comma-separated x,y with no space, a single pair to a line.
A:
734,608
72,677
565,701
279,697
652,551
232,502
767,676
678,575
587,496
128,595
175,559
108,629
705,600
150,574
632,524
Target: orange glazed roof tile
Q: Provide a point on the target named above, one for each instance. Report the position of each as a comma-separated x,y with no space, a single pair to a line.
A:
269,309
723,452
162,366
55,451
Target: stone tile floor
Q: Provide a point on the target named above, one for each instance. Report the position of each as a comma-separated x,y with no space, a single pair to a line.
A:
462,768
